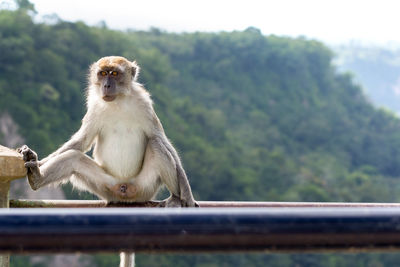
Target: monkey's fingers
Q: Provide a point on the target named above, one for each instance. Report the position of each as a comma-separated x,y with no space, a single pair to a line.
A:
31,164
27,153
190,204
23,151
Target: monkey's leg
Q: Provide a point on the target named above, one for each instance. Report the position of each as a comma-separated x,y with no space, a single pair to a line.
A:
63,166
147,182
159,165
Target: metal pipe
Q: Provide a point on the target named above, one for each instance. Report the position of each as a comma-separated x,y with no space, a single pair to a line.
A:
202,230
28,203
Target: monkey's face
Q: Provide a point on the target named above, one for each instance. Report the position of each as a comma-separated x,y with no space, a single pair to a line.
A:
113,76
109,80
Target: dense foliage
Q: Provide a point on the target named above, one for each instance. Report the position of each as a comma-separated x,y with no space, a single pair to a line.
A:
254,117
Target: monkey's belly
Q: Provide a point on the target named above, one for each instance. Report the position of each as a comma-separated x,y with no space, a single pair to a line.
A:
121,155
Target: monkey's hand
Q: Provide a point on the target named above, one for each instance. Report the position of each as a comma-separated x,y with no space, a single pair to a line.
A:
123,191
32,165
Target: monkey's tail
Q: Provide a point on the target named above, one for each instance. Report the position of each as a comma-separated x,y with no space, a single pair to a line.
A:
127,259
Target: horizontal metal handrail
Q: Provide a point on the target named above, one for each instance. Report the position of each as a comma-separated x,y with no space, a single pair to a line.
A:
30,203
200,229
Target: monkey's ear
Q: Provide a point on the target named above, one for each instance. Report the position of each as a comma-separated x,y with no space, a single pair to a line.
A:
135,70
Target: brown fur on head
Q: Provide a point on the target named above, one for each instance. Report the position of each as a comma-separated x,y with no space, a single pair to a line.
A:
113,76
119,62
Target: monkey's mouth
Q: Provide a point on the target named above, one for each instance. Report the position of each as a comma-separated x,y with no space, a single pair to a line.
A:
109,98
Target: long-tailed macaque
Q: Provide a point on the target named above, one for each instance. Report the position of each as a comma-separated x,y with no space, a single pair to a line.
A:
132,156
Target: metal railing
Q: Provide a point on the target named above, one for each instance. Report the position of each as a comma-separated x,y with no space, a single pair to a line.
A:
90,226
94,226
29,203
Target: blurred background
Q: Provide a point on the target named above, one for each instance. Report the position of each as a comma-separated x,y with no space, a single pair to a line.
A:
264,100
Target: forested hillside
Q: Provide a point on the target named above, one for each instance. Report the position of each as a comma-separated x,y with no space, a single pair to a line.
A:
254,117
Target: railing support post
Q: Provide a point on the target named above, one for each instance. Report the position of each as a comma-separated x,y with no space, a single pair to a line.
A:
11,168
4,188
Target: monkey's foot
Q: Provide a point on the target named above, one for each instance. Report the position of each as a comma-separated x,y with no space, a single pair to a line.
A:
175,202
189,202
123,191
32,165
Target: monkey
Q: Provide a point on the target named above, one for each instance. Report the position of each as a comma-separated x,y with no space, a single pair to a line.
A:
131,158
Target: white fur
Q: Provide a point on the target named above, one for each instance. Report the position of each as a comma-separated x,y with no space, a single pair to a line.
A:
121,137
130,146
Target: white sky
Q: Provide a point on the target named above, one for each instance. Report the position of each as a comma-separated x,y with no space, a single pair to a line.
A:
331,21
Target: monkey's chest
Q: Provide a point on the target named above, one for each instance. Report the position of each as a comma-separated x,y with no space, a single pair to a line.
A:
120,150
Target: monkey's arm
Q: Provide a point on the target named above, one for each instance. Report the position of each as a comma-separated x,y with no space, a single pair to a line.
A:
82,140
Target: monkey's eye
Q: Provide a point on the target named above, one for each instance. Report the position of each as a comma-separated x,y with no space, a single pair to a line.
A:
103,73
114,73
